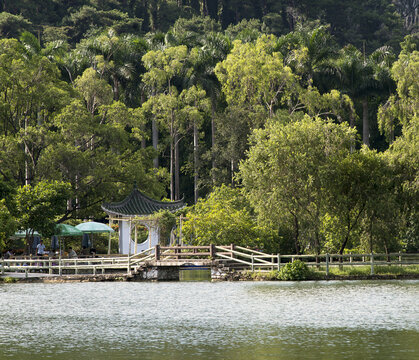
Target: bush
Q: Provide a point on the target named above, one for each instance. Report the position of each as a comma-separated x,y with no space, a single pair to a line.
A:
296,270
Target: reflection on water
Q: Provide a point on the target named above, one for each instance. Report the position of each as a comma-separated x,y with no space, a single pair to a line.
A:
203,320
194,274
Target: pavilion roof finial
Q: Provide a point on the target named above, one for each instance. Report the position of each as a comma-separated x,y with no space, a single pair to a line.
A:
135,185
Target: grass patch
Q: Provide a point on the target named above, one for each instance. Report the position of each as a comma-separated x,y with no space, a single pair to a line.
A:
315,273
8,280
366,270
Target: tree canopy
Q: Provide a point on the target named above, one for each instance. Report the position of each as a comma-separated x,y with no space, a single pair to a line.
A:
286,125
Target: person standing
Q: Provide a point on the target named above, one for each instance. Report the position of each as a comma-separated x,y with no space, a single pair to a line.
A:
40,248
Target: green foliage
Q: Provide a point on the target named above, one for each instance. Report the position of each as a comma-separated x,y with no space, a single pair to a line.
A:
167,222
9,280
86,113
402,107
224,217
8,225
244,75
294,271
39,206
366,270
286,172
12,25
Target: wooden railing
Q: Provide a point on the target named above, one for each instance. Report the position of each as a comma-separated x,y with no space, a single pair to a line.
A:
176,255
257,260
60,266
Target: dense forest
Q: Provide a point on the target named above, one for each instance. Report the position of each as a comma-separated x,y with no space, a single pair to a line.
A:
290,126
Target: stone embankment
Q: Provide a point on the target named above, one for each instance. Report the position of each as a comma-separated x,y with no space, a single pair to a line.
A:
152,274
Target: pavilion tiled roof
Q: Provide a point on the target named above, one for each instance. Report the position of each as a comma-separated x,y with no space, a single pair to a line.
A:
138,204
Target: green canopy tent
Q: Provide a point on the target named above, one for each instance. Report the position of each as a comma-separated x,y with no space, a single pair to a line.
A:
27,234
23,233
92,227
65,230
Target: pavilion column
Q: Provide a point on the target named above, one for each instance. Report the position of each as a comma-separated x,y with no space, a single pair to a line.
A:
149,236
129,238
180,231
136,238
110,234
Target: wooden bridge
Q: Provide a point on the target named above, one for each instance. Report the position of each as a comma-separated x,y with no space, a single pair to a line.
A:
221,257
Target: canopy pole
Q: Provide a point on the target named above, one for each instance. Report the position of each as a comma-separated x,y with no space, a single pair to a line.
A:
59,259
109,243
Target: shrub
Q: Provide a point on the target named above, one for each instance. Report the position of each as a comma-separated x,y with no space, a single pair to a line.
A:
296,270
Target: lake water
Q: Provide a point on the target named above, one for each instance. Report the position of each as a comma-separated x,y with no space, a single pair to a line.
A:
204,320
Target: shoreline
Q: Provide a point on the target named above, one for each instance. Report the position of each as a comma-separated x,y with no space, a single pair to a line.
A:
229,277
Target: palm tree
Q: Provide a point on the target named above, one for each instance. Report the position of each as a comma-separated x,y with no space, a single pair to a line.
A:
362,77
215,48
307,49
115,58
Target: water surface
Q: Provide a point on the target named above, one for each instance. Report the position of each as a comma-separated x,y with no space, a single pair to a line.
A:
203,320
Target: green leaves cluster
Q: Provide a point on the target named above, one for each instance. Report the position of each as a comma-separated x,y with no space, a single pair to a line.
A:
95,103
8,225
294,271
222,218
38,206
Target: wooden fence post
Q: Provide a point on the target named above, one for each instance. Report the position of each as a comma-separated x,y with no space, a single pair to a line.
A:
232,249
327,264
253,264
2,267
372,264
212,251
279,262
157,252
129,265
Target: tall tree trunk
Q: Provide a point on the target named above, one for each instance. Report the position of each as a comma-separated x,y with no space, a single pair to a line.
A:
204,8
352,125
352,120
365,124
172,190
343,246
27,170
213,165
143,127
196,165
155,139
370,232
177,189
232,171
172,151
296,236
317,245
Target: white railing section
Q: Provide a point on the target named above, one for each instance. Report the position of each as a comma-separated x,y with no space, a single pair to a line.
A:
177,255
